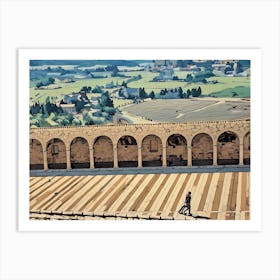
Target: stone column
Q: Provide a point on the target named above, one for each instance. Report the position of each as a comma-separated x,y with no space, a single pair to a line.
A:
241,153
91,158
189,155
139,156
68,160
45,156
215,154
164,156
115,157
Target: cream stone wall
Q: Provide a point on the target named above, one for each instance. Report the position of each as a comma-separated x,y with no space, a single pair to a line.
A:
151,148
79,151
127,152
107,150
56,152
103,150
36,153
246,146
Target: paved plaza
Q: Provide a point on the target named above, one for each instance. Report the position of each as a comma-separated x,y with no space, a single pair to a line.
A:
222,196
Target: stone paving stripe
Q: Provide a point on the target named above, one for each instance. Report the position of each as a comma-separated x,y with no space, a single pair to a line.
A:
91,187
104,195
217,197
231,205
157,192
224,196
54,196
51,190
179,195
205,193
92,195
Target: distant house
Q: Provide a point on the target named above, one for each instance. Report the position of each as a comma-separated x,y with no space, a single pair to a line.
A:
69,108
94,100
166,74
69,98
128,92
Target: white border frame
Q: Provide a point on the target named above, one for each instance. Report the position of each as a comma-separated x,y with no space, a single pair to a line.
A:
255,222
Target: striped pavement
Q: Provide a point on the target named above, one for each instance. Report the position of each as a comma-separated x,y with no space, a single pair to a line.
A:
222,196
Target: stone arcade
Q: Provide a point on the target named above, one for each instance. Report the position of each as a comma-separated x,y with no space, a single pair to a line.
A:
141,145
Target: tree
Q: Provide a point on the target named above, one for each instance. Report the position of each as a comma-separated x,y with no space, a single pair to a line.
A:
124,84
142,93
180,93
105,100
188,93
51,80
152,95
189,78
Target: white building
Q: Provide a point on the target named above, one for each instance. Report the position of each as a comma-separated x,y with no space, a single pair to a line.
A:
69,108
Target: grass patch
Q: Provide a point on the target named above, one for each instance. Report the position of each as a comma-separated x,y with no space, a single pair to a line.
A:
239,92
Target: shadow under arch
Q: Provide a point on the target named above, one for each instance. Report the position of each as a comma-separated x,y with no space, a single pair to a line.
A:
228,148
103,152
176,150
247,148
202,150
56,154
36,156
127,151
151,151
79,153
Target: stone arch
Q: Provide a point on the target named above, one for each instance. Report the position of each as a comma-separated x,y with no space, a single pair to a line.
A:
103,152
151,151
247,148
56,154
176,150
127,150
36,156
228,148
202,149
79,153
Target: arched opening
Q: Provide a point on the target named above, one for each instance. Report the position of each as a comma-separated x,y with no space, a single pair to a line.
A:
103,152
151,151
176,150
127,152
56,154
228,148
202,150
79,153
36,155
246,149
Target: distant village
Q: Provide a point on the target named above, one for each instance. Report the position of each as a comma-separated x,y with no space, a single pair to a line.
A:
96,106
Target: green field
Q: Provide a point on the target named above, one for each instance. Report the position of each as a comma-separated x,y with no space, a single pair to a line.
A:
67,88
239,91
224,87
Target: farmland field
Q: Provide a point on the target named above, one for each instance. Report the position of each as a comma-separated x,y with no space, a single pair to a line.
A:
241,85
184,110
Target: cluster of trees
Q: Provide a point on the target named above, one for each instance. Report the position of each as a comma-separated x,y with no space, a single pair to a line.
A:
199,77
230,67
48,82
179,93
132,79
46,108
194,92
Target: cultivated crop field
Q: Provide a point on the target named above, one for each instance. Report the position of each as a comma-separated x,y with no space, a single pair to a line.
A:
183,110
